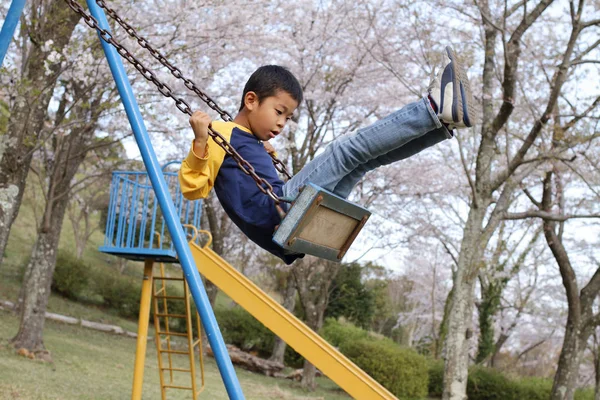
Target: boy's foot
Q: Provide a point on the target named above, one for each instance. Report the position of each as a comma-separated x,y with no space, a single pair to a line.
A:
450,93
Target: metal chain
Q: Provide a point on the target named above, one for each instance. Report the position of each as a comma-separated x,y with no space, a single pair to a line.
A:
176,72
181,104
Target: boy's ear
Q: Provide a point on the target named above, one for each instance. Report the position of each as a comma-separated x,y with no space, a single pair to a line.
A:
250,100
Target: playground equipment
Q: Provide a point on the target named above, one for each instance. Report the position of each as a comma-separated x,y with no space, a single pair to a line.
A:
162,315
133,212
132,237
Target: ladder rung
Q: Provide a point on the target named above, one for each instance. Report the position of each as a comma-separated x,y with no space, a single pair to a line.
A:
165,278
159,291
170,297
177,387
172,334
177,369
174,351
172,315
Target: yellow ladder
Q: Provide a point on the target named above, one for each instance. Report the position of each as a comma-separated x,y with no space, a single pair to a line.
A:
162,330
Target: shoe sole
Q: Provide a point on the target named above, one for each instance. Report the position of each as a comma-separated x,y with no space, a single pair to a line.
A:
461,105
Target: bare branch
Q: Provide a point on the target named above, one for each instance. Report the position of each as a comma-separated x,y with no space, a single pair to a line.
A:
547,215
466,169
587,24
531,198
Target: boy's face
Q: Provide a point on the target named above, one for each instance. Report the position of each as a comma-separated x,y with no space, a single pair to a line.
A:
268,118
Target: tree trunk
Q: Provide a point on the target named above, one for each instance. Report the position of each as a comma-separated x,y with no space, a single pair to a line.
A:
289,303
38,278
456,364
314,319
456,360
313,278
596,372
69,149
443,331
29,111
567,373
488,307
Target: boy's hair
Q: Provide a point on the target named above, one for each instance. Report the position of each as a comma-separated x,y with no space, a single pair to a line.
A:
268,80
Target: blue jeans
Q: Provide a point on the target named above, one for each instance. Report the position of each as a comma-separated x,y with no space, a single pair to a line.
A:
346,160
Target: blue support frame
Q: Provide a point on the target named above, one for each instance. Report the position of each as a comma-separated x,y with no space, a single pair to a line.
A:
191,274
9,26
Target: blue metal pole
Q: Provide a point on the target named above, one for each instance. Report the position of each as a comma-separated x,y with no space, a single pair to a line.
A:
166,204
9,26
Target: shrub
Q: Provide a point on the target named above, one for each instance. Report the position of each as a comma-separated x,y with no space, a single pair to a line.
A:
533,388
119,292
337,333
436,378
488,384
244,331
584,394
292,358
71,275
401,370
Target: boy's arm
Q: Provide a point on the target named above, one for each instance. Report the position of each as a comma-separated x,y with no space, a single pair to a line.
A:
196,177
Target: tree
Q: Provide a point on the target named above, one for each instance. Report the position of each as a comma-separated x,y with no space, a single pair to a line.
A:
81,105
92,199
493,281
510,144
581,318
350,298
313,279
45,30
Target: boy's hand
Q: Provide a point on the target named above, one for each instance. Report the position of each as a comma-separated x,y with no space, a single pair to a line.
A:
269,148
200,122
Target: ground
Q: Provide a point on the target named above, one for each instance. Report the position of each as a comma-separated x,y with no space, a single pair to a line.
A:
94,365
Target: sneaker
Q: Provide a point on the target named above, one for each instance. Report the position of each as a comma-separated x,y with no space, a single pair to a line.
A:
450,93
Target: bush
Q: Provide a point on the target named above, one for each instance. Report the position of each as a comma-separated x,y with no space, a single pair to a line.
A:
71,276
292,358
488,384
244,331
584,394
337,333
119,292
436,378
401,370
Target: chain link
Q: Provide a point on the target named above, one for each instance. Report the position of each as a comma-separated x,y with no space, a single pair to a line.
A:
176,72
166,91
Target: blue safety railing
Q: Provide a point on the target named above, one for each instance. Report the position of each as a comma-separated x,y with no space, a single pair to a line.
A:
135,226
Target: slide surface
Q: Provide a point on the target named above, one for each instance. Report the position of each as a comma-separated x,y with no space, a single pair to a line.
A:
284,324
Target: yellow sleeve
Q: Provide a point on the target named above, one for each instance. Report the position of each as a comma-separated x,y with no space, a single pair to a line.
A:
197,174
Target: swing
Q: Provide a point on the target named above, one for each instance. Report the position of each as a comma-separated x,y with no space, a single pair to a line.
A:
318,222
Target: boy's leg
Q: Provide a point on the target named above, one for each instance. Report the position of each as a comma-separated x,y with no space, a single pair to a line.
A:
449,93
344,155
345,186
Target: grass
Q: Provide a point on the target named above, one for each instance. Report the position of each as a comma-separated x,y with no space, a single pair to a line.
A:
93,365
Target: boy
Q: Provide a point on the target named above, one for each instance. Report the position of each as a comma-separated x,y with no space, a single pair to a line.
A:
270,97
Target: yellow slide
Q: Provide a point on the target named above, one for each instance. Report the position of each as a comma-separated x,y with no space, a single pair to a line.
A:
289,328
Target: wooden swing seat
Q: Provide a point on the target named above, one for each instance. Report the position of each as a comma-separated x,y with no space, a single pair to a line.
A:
321,224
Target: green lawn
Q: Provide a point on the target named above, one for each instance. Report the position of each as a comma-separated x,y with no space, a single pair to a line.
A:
93,365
